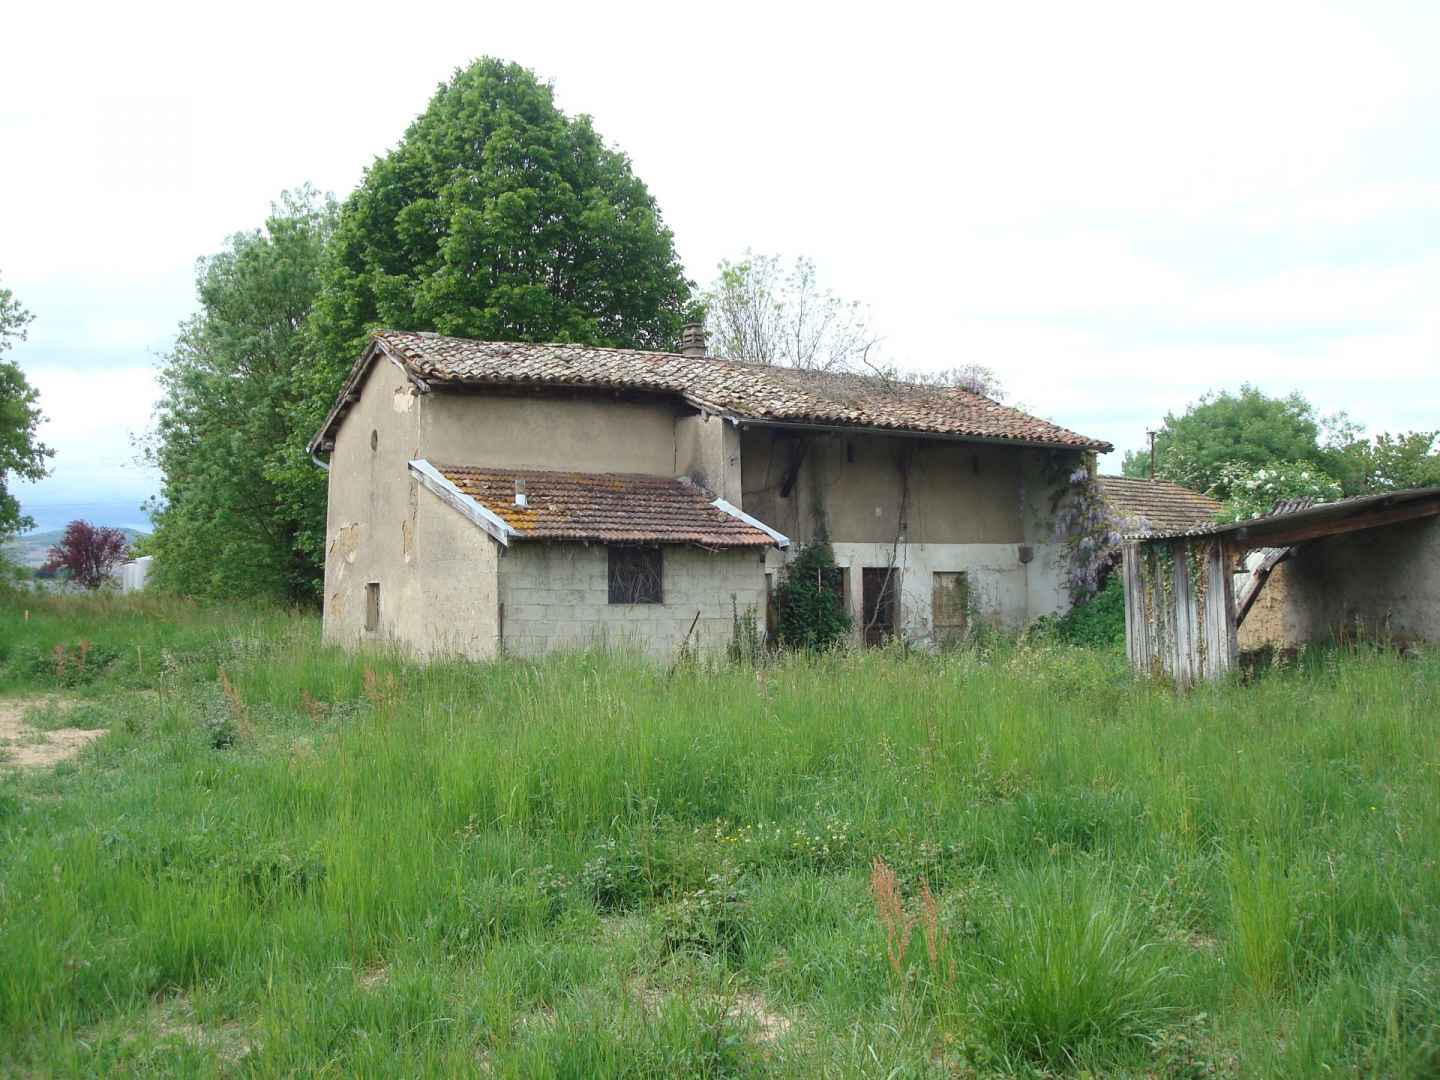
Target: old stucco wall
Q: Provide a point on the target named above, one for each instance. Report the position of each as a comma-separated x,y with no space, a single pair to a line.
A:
436,571
707,450
978,508
959,493
369,505
551,432
1045,590
455,563
557,596
1276,617
1377,582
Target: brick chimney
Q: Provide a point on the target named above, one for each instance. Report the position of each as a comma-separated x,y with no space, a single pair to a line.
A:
692,339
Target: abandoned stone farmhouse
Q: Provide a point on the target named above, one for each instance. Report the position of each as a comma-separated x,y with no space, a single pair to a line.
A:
491,495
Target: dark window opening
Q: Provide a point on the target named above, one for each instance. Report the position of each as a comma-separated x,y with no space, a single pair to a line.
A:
372,606
635,575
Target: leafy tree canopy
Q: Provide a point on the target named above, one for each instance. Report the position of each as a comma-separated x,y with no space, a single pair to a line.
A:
498,217
21,452
235,518
1248,428
1386,463
89,554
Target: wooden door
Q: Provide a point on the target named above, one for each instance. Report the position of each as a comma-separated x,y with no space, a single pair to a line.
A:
950,606
879,587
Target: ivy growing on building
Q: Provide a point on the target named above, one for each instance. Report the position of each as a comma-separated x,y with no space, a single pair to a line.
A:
810,600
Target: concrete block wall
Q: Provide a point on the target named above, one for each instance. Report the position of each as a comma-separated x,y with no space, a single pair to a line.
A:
556,596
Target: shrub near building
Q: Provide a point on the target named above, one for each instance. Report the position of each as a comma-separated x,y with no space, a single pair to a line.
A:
811,605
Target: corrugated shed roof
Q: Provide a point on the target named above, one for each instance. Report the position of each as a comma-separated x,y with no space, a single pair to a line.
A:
612,508
1146,505
746,391
1290,514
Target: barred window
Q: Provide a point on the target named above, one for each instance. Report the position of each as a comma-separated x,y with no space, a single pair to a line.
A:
635,575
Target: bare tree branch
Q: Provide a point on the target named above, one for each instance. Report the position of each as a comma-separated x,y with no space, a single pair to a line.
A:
758,310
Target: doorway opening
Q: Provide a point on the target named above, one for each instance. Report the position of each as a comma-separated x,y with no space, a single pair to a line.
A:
879,587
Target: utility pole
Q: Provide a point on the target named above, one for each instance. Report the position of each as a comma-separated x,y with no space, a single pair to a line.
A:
1152,435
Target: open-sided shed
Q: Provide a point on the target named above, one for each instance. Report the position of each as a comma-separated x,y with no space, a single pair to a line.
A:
1182,611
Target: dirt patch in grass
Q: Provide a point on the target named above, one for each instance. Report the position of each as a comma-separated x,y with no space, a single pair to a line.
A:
174,1019
769,1025
31,748
747,1006
374,976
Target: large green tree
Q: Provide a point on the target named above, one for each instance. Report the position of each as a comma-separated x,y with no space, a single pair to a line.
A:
1245,428
499,217
21,452
227,522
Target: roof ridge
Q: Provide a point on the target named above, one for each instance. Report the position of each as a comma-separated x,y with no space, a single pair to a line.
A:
551,345
742,390
761,365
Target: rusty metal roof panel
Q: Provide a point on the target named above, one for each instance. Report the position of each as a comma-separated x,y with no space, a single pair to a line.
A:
746,391
611,508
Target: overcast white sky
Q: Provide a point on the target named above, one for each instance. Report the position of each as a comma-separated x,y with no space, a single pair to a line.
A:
1116,206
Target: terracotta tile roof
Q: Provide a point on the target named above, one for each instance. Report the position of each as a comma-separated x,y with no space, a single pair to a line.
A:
605,507
742,390
1147,506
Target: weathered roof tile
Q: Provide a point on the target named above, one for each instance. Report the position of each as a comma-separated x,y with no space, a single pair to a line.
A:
1157,505
607,508
746,391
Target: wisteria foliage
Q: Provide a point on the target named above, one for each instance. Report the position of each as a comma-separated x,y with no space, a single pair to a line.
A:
1087,532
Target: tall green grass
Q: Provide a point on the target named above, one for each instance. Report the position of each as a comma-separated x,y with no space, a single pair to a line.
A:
594,866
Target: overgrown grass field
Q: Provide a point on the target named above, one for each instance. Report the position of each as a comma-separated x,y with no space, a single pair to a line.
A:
1011,860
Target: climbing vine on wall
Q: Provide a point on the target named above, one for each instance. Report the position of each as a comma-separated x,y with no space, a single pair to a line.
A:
1085,529
1156,567
1198,554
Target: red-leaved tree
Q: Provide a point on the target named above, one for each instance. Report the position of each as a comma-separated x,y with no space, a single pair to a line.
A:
90,553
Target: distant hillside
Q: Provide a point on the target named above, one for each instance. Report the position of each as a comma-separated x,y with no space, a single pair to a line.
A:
30,550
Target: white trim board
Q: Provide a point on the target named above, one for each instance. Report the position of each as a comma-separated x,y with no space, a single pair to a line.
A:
433,479
781,540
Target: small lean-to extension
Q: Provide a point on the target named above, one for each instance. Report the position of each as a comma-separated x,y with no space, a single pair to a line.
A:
431,478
